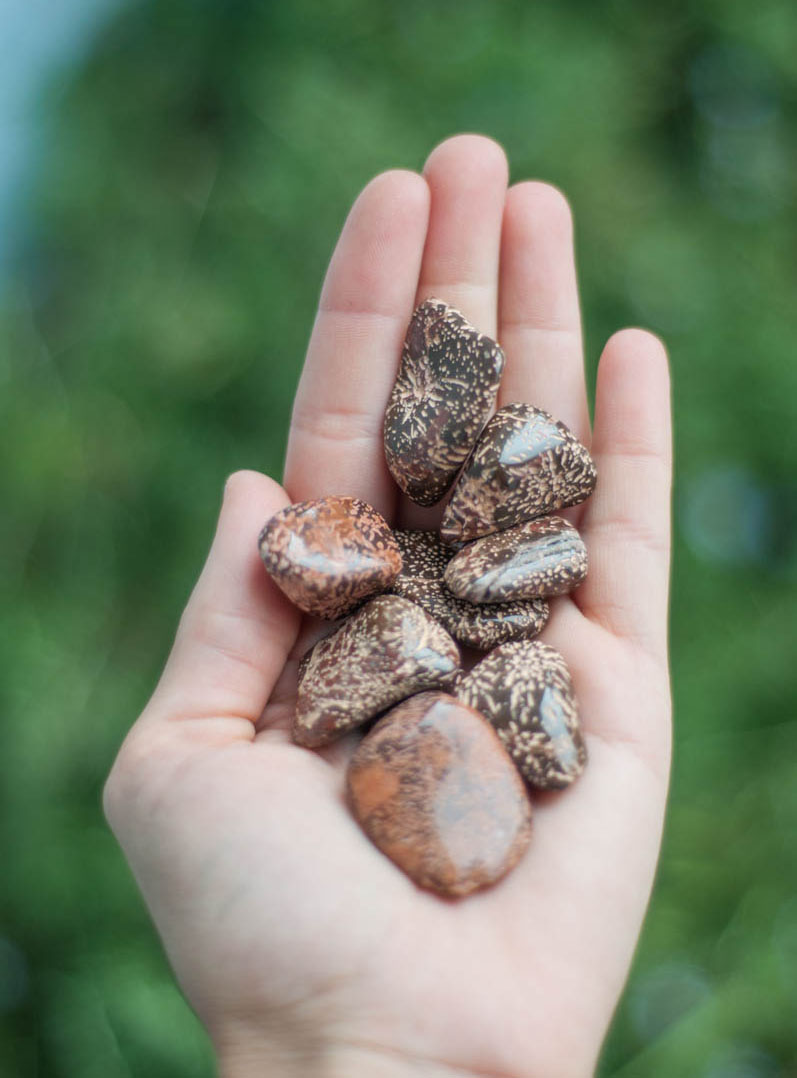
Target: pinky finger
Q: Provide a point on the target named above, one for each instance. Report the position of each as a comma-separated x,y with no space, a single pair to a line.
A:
626,525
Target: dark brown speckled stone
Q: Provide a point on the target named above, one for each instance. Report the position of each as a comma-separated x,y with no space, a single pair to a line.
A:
434,789
540,557
525,690
385,652
330,554
444,391
424,560
525,465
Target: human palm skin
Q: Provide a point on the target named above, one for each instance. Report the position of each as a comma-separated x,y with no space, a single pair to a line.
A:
301,947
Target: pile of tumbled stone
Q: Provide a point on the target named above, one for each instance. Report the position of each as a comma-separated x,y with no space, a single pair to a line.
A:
440,782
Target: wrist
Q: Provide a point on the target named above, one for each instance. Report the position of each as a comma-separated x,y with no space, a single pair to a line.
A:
265,1062
252,1055
266,1048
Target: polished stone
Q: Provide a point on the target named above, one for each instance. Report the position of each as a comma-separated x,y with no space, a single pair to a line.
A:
525,465
535,559
444,391
481,626
330,554
385,652
525,690
434,789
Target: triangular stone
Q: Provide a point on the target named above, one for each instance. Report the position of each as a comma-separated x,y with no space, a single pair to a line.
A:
525,465
385,652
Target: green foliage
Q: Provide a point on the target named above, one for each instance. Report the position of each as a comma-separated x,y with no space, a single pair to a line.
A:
197,170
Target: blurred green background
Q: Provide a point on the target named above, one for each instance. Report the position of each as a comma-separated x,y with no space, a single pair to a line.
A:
162,252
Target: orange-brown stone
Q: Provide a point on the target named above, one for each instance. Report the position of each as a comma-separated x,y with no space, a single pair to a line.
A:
330,554
435,790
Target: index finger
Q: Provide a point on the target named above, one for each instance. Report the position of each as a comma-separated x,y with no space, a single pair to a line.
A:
335,442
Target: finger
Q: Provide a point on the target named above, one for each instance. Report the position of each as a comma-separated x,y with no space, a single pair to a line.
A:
626,523
539,319
335,444
622,695
238,627
467,177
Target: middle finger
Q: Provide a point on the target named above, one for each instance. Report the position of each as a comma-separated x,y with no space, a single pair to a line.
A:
467,177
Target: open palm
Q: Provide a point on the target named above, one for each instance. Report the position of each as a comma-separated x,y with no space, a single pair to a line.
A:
302,948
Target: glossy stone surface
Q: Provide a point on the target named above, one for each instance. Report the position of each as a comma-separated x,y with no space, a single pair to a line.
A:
524,689
444,391
540,557
525,465
424,561
383,653
434,789
330,554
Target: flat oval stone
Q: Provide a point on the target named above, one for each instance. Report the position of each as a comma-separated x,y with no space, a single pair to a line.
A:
385,652
540,557
524,689
525,465
330,554
434,789
444,391
484,626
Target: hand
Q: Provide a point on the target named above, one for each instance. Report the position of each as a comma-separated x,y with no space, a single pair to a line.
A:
301,947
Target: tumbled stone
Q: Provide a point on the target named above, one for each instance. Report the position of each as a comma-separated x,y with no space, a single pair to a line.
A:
444,391
424,560
525,465
385,652
524,689
330,554
538,558
423,556
434,789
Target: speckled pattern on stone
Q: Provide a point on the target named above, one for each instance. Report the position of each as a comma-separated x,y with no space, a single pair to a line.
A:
538,558
330,554
385,652
525,690
525,465
434,789
424,560
444,391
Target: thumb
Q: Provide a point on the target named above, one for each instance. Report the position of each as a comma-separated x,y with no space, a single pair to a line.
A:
238,628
